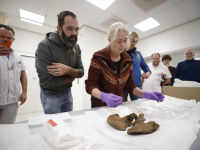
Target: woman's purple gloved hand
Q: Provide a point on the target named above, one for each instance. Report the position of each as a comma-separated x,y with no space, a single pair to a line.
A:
159,97
110,99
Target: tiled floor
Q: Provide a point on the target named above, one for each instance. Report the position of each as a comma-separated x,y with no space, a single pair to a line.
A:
23,117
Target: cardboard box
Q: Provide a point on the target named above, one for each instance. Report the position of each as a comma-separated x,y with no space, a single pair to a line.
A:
182,92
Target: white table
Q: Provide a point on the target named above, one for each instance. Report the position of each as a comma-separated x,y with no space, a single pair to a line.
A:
23,137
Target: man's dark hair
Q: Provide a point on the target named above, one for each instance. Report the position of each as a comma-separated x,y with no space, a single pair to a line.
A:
166,57
155,53
62,15
7,27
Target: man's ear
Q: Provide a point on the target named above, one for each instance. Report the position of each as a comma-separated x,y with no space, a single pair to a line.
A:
109,39
13,40
59,28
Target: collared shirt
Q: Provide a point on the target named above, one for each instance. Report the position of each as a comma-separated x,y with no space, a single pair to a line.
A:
8,54
162,68
152,84
10,73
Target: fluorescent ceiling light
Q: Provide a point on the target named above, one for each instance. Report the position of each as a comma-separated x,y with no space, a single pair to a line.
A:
103,4
29,21
31,17
147,24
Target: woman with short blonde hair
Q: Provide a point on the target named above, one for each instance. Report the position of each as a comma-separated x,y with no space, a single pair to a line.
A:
110,72
113,32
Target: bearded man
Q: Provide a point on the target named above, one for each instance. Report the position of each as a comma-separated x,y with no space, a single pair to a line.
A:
160,75
58,63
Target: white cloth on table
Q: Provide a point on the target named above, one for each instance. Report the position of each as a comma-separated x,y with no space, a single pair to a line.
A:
171,135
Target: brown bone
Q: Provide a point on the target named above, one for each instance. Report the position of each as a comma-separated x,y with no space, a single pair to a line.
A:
140,119
121,123
143,128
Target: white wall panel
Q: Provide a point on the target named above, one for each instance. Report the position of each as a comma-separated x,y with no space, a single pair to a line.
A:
26,41
181,37
91,40
32,103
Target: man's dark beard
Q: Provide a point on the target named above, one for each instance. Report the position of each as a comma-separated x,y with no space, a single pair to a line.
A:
69,43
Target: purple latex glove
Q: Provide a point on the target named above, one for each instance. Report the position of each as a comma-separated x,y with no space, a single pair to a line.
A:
159,97
110,99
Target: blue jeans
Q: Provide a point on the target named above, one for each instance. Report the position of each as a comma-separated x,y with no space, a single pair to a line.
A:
132,97
56,102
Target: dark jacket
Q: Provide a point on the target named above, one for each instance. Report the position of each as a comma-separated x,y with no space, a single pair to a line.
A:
188,70
103,75
51,49
172,71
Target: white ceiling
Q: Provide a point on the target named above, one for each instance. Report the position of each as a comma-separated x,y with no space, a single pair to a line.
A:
170,14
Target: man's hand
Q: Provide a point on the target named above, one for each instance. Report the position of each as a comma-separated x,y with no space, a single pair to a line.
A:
58,69
146,75
23,98
4,51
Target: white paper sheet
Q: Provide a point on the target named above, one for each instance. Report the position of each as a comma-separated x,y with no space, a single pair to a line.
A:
42,118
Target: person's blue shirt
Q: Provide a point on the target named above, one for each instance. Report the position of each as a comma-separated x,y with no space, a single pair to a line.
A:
8,54
137,64
188,70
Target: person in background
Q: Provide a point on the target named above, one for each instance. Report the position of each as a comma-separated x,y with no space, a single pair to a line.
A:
138,63
166,60
188,70
160,75
58,63
111,72
12,72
